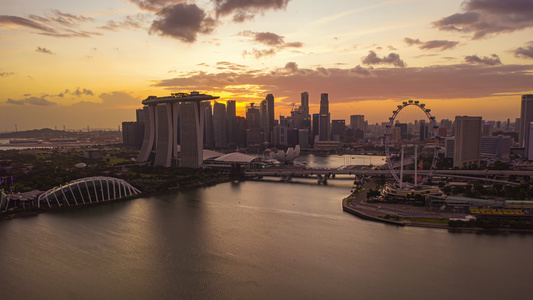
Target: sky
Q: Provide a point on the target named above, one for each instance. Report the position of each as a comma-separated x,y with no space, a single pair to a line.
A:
80,63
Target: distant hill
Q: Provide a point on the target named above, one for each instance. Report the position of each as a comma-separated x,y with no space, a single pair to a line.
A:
45,134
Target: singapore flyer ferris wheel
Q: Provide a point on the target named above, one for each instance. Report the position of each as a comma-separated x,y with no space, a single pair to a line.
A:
401,134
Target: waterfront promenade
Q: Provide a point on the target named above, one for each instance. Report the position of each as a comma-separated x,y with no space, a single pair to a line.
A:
376,212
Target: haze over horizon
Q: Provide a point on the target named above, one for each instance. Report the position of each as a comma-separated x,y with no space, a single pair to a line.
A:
79,63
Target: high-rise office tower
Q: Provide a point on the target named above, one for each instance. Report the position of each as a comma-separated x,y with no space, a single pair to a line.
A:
265,120
298,118
338,130
529,143
231,119
305,103
270,111
467,148
315,127
487,129
303,138
404,133
423,131
283,130
209,134
449,144
324,123
498,147
241,131
132,134
526,117
357,122
219,124
140,115
253,117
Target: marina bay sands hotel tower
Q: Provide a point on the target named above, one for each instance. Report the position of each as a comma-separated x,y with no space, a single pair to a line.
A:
163,118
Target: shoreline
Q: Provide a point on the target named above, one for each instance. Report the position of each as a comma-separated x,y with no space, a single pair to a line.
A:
374,218
37,211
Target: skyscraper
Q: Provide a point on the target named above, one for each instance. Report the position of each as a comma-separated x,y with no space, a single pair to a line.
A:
283,131
265,120
219,124
270,111
423,131
357,122
526,117
253,117
324,126
305,103
231,119
467,141
315,127
338,130
163,116
132,134
209,133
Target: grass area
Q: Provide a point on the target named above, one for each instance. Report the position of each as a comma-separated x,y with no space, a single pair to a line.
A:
427,220
116,160
359,192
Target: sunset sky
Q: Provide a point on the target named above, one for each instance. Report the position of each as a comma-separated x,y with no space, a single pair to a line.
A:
76,63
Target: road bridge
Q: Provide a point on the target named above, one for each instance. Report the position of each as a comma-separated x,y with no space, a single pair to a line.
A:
324,174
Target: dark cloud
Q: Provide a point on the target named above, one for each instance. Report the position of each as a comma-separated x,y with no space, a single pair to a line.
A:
24,22
31,101
459,19
274,41
294,45
292,67
77,92
58,24
6,74
70,33
259,53
269,39
490,61
243,10
183,21
469,81
61,18
391,59
438,44
44,50
410,41
434,44
526,52
226,65
488,17
134,22
155,5
322,71
361,70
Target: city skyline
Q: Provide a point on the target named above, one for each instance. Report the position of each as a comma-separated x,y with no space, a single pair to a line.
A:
76,64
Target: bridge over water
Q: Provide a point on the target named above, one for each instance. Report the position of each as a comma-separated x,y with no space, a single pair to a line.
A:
323,175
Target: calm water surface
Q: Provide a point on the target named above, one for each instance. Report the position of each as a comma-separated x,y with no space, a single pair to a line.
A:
252,240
